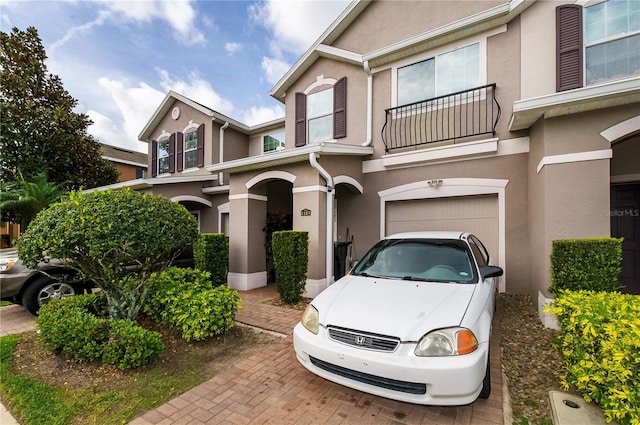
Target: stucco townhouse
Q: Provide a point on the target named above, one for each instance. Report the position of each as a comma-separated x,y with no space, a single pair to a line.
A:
518,121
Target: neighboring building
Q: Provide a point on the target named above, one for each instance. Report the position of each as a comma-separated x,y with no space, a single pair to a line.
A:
131,165
517,120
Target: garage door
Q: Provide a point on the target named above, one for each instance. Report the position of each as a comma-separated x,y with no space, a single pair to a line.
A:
475,214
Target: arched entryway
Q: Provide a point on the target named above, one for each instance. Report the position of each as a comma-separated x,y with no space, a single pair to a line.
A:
625,208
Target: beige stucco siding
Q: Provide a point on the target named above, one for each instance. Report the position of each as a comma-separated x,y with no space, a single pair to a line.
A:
387,22
356,98
538,73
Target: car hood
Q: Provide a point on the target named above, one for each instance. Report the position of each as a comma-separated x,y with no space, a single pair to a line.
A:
398,308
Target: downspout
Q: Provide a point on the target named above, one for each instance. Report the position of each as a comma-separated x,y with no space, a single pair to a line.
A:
313,160
367,69
222,129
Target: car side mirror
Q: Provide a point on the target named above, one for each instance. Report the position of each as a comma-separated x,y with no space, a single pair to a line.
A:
490,271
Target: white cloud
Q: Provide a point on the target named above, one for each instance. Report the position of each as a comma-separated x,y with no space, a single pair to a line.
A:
258,115
108,132
274,69
136,106
197,89
179,14
232,47
296,25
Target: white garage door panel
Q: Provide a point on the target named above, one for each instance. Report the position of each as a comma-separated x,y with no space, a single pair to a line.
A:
475,214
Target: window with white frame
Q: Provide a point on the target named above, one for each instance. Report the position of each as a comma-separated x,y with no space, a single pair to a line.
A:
190,149
445,73
320,116
612,40
273,142
163,156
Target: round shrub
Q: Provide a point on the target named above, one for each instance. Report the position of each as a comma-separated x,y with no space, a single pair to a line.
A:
115,238
74,326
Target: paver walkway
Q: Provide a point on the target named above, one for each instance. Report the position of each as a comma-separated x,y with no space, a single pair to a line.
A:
273,388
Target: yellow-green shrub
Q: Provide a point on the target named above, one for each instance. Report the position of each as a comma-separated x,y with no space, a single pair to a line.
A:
600,344
185,300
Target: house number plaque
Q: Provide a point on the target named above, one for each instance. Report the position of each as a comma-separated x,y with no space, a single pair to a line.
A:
305,212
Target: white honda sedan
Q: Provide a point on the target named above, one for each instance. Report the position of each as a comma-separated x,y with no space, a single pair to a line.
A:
411,322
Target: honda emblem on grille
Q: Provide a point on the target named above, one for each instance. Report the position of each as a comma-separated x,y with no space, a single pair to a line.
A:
360,340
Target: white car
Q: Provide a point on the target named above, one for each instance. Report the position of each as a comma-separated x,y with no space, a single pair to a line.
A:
411,322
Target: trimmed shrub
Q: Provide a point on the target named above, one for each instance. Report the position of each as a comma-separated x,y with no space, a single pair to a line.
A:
185,300
130,345
76,326
291,259
586,264
115,238
211,254
600,344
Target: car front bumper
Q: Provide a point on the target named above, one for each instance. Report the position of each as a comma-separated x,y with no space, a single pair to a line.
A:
399,375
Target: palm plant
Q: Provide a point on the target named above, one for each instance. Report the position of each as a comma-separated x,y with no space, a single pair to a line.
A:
22,200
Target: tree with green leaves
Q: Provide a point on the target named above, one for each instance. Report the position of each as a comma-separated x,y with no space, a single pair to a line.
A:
117,239
22,200
39,130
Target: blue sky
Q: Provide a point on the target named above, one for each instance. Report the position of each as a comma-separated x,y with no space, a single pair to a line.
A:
120,58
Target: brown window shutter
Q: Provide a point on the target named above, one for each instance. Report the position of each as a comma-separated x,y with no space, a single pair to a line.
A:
179,151
301,119
154,158
172,153
200,153
569,56
340,108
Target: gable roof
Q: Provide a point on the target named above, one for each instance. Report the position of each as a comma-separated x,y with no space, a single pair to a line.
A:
167,103
124,156
482,21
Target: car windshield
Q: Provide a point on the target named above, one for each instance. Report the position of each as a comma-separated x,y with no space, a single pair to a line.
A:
419,260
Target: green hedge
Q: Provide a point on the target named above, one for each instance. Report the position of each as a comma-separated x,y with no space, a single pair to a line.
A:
600,344
586,264
290,259
184,299
78,326
211,254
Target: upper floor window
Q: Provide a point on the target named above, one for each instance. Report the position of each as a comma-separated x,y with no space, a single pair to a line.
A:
599,43
612,40
163,150
322,115
273,142
443,74
190,150
190,144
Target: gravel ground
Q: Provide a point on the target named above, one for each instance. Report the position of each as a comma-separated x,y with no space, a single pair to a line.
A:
530,362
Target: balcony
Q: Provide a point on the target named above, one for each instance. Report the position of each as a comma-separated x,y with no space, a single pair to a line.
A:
455,116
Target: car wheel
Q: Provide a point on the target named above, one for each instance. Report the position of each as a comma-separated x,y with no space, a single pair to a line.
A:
486,382
43,290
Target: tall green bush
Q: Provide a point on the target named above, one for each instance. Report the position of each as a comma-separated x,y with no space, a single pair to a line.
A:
600,344
291,259
589,264
211,254
117,239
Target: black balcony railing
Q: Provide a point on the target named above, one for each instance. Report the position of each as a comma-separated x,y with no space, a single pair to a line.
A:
454,116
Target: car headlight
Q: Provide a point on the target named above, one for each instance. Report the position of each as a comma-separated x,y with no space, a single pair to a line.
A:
310,319
447,342
7,263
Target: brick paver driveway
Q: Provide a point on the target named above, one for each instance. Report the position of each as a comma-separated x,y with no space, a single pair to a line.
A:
273,388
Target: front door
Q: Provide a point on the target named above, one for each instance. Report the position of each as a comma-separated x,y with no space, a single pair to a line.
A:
625,223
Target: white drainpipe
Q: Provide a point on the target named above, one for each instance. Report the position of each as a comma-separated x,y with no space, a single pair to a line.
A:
222,129
367,69
313,160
